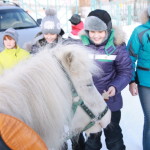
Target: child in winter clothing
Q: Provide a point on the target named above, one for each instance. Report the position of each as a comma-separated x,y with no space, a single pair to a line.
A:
139,48
51,33
76,26
110,53
12,54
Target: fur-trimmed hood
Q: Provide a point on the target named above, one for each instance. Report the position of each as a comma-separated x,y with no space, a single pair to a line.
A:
119,35
39,42
28,46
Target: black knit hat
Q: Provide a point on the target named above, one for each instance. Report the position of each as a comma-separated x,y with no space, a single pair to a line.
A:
98,20
75,19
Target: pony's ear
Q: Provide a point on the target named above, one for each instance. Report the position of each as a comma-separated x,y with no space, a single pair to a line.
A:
69,58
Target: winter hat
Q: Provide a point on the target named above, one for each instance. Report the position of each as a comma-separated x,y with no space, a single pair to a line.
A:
11,32
149,10
75,19
98,20
50,23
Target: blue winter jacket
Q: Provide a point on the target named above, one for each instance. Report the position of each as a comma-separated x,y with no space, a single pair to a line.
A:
115,62
139,48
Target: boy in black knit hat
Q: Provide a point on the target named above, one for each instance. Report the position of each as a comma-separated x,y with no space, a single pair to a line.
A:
110,54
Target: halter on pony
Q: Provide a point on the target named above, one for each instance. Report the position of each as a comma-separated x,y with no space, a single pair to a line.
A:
81,103
89,113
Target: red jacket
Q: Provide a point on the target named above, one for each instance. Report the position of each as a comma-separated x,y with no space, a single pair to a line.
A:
76,28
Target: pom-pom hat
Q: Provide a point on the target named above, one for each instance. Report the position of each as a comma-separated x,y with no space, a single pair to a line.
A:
50,23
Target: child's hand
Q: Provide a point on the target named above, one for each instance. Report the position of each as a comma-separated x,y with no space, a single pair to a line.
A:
105,96
133,89
111,91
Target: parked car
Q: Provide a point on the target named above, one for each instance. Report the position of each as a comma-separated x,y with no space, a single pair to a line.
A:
11,15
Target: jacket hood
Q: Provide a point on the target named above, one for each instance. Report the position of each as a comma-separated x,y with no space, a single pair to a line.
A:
36,41
119,35
28,45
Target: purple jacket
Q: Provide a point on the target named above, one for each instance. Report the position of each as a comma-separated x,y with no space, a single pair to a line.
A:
116,65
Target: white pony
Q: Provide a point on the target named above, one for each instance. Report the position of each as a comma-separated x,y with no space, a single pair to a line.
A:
38,91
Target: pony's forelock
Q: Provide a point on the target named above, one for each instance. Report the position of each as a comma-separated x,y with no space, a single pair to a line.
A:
79,58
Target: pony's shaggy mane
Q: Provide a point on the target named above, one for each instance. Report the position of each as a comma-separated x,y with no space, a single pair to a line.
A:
25,87
69,55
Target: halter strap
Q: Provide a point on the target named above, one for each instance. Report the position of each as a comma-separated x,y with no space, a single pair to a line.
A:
89,113
99,117
84,107
80,102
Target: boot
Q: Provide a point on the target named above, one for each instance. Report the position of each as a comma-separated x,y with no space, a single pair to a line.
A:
94,142
78,142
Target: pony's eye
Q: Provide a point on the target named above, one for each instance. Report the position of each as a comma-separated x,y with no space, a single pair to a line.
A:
89,85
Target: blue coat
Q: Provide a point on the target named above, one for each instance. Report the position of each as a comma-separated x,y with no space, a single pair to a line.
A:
139,48
115,62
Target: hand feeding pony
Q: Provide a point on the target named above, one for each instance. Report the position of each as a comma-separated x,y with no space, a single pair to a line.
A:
40,92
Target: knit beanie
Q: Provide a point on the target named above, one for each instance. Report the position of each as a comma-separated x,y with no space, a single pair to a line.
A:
149,10
75,19
98,20
50,23
11,32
